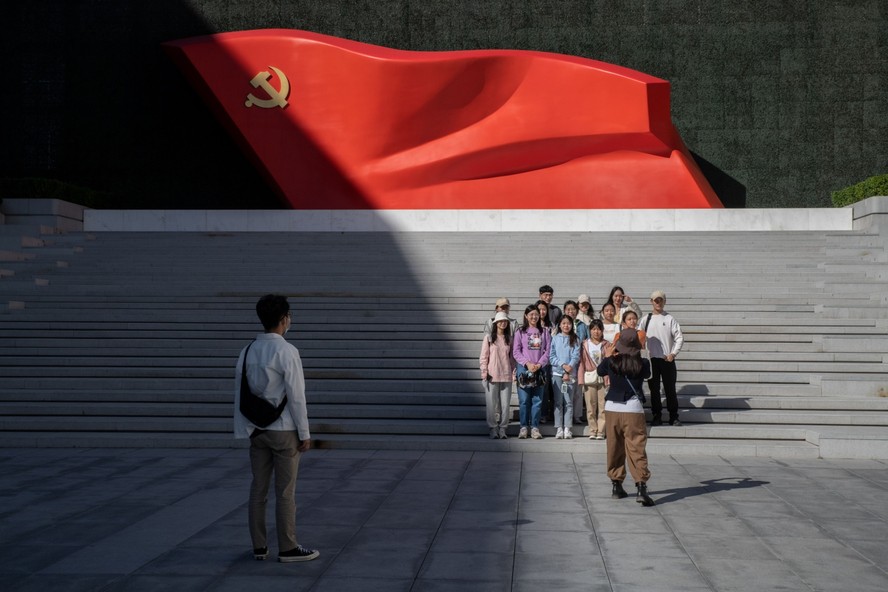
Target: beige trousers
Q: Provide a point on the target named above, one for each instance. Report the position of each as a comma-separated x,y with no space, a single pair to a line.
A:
626,437
274,451
594,396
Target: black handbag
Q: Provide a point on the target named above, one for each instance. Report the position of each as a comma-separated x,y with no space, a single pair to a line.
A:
259,411
528,379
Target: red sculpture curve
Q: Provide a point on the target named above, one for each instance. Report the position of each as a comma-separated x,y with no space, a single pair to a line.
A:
337,124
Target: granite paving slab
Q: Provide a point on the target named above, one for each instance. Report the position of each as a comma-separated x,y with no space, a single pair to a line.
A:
413,521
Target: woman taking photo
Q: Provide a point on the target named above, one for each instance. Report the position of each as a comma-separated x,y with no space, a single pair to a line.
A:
624,416
530,349
497,374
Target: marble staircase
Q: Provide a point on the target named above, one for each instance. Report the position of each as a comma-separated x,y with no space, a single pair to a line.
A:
129,339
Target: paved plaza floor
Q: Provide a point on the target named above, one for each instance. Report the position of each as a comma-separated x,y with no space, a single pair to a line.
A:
173,519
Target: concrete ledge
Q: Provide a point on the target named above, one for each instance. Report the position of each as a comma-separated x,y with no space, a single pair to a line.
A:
858,443
870,212
42,207
792,219
50,212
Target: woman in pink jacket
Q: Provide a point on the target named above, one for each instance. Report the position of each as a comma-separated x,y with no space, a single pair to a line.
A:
497,374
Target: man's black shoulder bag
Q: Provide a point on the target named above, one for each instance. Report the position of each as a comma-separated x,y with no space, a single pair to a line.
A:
259,411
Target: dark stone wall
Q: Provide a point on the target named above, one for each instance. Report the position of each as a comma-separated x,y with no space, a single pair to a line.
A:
785,98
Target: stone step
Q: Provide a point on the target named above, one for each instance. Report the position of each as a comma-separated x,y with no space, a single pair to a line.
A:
371,377
785,403
212,399
17,241
788,449
199,382
783,416
9,255
457,357
320,301
28,230
322,426
225,397
223,355
778,349
377,410
360,418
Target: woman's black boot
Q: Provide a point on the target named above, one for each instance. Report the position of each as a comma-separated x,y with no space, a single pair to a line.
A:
618,492
642,496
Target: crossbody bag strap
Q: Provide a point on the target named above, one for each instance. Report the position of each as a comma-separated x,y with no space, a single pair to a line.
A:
244,384
647,322
634,392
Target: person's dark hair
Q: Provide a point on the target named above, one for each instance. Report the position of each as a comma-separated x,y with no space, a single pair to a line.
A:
507,334
544,318
572,333
591,309
610,298
627,365
596,323
546,288
574,302
272,308
626,315
526,324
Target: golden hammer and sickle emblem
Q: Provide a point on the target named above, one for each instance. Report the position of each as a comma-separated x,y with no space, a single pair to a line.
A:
278,97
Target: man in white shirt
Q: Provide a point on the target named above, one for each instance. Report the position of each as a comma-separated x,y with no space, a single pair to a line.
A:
664,341
274,371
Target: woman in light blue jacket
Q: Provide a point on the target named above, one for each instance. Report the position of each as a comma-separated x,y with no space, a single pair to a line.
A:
564,357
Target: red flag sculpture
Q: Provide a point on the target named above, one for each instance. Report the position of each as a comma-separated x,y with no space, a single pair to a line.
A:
337,124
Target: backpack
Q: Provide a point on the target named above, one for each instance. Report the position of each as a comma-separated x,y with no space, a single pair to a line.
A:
260,412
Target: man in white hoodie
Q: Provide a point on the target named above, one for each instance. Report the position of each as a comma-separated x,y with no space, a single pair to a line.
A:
664,341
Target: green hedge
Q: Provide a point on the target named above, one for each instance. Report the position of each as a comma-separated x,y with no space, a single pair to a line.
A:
877,185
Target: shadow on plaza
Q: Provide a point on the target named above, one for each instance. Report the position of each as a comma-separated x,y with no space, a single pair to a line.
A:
709,486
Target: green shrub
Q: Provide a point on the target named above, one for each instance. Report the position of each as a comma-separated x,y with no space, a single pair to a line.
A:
877,185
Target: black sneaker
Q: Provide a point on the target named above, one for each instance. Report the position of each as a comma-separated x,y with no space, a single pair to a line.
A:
300,553
260,553
657,421
675,422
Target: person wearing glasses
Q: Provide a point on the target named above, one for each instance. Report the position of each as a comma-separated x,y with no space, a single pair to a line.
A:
664,341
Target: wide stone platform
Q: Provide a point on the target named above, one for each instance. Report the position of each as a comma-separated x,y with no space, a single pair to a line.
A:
170,519
128,339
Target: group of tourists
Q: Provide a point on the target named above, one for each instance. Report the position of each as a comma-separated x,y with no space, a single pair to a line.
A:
565,360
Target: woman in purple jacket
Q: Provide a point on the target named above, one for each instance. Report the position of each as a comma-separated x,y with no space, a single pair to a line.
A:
530,349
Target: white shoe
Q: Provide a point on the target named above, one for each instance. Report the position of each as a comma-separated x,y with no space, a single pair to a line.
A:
502,434
522,434
599,437
568,434
494,433
559,434
535,434
593,437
